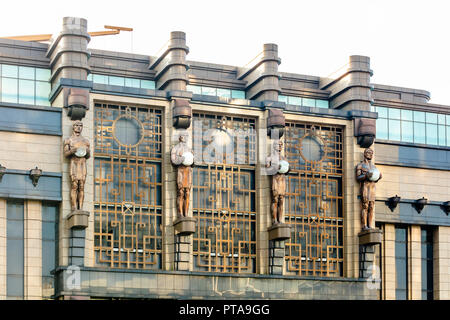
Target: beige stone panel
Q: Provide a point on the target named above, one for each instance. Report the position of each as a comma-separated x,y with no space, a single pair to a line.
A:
33,250
441,263
3,240
413,183
388,261
24,151
415,263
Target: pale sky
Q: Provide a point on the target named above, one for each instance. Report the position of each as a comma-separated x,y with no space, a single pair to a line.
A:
407,41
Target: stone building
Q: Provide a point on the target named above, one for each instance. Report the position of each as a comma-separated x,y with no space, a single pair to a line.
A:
132,108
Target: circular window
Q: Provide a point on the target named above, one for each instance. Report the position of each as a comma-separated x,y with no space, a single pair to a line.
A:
311,149
128,131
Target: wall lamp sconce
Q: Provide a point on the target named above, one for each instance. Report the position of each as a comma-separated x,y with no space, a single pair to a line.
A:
446,207
419,204
2,172
35,174
393,202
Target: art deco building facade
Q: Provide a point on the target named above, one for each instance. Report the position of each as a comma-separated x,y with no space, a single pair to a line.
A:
126,243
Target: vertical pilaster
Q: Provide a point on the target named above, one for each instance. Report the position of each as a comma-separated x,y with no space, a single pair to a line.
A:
33,250
171,66
388,268
415,263
262,75
3,240
183,252
441,263
350,86
68,52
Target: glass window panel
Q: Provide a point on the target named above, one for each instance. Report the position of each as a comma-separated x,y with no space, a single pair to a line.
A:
382,112
407,131
49,212
224,93
394,130
26,91
10,71
14,286
400,234
295,100
43,74
26,73
42,92
238,94
394,113
14,211
419,116
89,77
309,102
134,83
431,117
283,99
407,115
116,81
194,89
419,132
14,229
432,134
382,129
322,103
209,91
48,257
147,84
98,78
14,253
447,119
441,135
48,230
441,119
448,136
9,90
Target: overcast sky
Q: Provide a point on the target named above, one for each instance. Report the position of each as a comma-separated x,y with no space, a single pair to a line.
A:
407,41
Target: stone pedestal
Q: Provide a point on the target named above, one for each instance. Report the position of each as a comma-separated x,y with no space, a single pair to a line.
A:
368,242
184,226
280,231
78,221
278,234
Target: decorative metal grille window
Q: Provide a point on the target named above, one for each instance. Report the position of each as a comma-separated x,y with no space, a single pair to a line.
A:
314,200
127,177
224,194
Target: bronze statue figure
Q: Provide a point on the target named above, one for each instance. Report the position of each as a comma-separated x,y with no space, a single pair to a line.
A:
182,157
367,175
280,167
78,150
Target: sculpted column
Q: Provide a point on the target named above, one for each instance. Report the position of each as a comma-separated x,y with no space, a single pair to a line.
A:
370,237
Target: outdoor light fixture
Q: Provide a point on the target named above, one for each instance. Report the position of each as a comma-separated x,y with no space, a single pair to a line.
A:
2,172
35,174
446,207
393,202
419,204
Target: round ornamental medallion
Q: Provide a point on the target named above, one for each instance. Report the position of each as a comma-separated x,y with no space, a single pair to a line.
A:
312,148
128,131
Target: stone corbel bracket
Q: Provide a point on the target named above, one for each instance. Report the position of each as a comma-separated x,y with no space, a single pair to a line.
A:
76,100
276,123
365,131
181,114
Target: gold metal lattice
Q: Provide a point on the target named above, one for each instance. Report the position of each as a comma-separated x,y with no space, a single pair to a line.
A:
224,203
127,178
314,200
